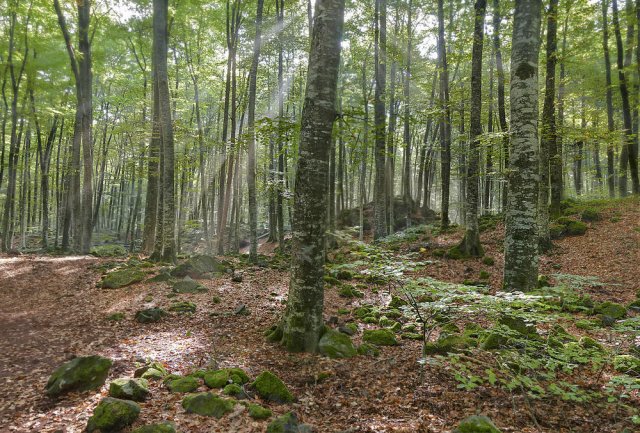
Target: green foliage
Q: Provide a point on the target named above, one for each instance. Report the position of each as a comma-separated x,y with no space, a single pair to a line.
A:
270,387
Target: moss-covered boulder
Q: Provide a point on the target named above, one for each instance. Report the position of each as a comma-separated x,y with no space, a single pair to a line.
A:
348,291
207,404
493,339
380,337
183,307
627,364
163,427
589,343
476,424
258,412
116,317
368,349
182,384
518,324
611,310
152,370
113,415
270,387
79,374
397,302
590,215
136,389
200,266
447,343
150,315
349,328
223,377
335,344
122,278
188,285
576,228
109,250
288,423
234,390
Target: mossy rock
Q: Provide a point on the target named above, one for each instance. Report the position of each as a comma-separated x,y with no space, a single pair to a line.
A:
612,310
199,266
543,281
288,423
363,311
455,253
576,228
182,384
116,317
489,261
221,378
518,324
270,387
590,343
163,427
163,276
80,374
348,291
379,337
411,336
561,334
409,327
153,370
110,250
112,415
484,275
136,389
332,281
448,343
627,364
397,302
258,412
275,335
183,307
386,322
122,278
586,324
150,315
634,306
368,349
349,328
493,340
207,404
234,390
393,313
370,320
556,231
335,344
188,285
476,424
590,215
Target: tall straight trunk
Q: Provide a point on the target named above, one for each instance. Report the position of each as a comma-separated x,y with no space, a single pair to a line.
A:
521,235
423,175
548,138
380,203
365,148
281,134
251,160
502,111
161,84
630,158
445,121
407,114
303,323
611,181
390,163
579,148
471,242
151,226
488,183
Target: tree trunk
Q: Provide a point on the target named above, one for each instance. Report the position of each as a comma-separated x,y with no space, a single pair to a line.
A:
502,111
380,202
445,121
303,321
521,237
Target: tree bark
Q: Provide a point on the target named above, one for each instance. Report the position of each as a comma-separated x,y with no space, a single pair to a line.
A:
380,202
445,121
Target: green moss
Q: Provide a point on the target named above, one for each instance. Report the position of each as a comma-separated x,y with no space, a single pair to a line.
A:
543,281
380,337
183,307
182,384
258,412
589,215
397,302
187,285
79,374
586,324
109,251
455,253
270,387
476,424
344,274
590,343
627,364
199,266
113,414
348,291
370,320
220,378
556,231
518,324
489,261
287,423
150,315
393,313
411,336
163,427
122,278
484,275
576,228
439,253
612,310
207,404
116,317
493,340
343,311
234,390
129,389
331,280
448,344
368,350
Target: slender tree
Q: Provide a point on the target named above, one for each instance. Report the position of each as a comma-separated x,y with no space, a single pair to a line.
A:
445,120
611,181
380,202
521,237
303,322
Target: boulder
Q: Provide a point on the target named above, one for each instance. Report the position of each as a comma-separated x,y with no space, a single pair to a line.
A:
182,384
611,311
221,378
270,387
207,404
109,250
122,278
234,390
188,285
380,337
79,374
199,266
476,424
163,427
368,350
183,307
129,389
518,324
112,415
258,412
150,315
447,343
335,344
288,423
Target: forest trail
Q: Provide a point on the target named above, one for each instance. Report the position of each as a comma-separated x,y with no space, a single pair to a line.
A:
51,309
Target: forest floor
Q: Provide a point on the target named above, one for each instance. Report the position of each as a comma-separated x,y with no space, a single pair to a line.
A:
52,310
